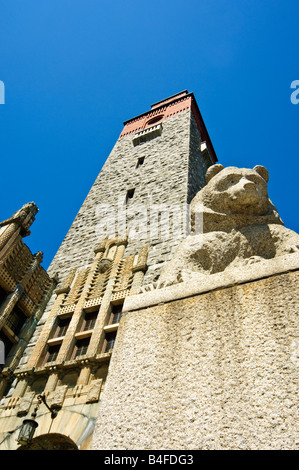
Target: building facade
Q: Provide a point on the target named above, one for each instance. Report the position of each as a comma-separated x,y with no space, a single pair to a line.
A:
127,229
25,290
146,333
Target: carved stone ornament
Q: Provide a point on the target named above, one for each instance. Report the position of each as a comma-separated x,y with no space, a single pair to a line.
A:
105,264
57,397
234,224
93,393
25,404
27,211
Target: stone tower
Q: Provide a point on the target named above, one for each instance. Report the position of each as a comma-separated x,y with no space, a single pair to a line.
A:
198,329
130,223
156,167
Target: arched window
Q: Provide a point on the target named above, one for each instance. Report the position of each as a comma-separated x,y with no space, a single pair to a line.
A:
154,120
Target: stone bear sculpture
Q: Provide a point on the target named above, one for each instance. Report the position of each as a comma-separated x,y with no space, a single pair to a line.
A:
239,226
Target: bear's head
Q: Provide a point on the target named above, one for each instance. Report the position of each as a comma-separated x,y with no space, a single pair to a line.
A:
240,193
237,190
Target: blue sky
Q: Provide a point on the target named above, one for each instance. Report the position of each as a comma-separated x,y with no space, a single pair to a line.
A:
74,70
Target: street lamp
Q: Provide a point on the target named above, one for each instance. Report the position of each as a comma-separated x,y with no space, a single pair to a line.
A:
26,432
29,425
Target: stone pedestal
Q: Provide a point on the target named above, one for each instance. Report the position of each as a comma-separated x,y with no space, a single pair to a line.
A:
207,365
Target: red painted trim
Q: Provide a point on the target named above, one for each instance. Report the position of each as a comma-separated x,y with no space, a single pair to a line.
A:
167,108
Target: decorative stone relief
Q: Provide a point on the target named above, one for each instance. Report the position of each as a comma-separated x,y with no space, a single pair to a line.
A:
24,217
94,391
56,398
25,403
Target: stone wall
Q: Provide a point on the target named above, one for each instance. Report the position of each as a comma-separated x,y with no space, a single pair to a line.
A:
216,370
164,179
172,172
165,170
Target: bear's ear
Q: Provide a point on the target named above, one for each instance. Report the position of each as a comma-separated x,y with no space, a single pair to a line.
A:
213,171
262,171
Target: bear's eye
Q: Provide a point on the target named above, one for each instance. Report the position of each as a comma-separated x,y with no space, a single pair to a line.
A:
227,182
233,179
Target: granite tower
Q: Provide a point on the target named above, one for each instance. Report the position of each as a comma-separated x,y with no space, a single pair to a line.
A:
128,227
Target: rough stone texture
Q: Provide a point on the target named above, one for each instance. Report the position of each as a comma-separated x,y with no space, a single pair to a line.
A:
172,173
240,226
201,283
213,371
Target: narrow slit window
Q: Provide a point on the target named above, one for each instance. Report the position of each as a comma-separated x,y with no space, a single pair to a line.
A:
140,162
130,194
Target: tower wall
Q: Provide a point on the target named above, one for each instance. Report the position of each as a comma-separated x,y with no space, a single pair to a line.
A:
171,174
126,230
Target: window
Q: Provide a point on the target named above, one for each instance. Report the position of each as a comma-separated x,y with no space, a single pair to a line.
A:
89,321
109,341
52,353
147,134
3,295
116,313
8,344
81,347
140,162
129,196
62,326
154,120
16,320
